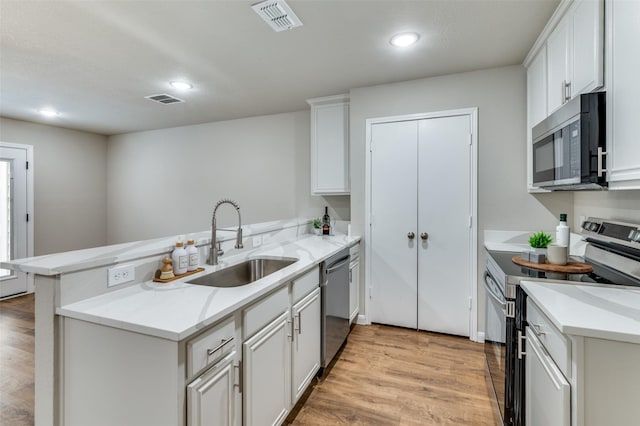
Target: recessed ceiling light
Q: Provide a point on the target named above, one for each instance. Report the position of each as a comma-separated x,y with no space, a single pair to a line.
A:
48,112
404,39
181,85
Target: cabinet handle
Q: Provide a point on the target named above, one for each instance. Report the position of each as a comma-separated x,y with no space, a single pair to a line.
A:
424,236
290,333
563,92
537,330
601,169
238,367
521,339
567,90
217,348
411,235
299,322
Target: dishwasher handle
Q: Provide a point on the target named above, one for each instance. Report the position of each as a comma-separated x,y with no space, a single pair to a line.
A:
337,264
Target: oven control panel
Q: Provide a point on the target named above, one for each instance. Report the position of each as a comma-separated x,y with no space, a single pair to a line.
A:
612,231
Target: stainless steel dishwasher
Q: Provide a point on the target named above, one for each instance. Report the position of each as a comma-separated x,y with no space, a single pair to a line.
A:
335,305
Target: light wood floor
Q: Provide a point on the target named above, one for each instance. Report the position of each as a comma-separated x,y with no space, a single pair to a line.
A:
395,376
383,376
16,361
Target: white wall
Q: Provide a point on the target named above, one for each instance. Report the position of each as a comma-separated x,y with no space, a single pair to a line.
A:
167,181
69,185
617,205
500,95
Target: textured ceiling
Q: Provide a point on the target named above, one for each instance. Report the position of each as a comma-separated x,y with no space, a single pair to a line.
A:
94,61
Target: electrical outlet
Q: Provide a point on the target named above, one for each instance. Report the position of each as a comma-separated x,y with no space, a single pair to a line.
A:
257,241
120,275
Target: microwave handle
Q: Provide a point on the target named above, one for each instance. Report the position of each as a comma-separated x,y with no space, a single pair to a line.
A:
601,170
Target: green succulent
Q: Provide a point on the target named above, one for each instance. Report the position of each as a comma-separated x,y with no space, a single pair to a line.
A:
540,240
317,223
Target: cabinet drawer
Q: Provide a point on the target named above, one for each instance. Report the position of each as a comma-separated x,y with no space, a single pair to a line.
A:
556,343
264,311
211,346
354,252
305,284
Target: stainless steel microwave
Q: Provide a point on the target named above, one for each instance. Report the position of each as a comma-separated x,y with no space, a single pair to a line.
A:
569,146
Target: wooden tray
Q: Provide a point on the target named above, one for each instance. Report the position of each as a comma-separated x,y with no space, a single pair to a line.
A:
177,277
572,266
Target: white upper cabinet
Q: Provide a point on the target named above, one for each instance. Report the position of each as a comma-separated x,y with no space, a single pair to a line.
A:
623,94
575,53
559,65
588,46
537,88
330,145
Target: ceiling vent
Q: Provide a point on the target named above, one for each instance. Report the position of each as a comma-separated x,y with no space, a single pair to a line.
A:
277,14
163,98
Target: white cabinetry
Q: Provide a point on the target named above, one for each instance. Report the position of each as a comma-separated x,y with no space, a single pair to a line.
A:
282,355
267,366
354,283
213,398
566,61
547,361
306,343
330,145
575,53
559,64
623,94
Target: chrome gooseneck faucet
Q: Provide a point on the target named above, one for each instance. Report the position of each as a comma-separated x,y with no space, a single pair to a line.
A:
215,252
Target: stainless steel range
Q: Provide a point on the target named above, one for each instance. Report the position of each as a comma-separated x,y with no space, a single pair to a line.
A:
613,250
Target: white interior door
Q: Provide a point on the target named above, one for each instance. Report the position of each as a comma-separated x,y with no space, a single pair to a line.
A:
14,198
393,216
444,218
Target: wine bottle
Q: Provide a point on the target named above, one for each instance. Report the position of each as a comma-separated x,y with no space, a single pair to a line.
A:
326,222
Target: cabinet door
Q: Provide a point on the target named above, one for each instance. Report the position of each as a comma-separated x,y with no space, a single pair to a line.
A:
306,342
558,65
588,30
547,394
267,374
444,214
213,398
394,208
354,291
330,149
537,89
623,94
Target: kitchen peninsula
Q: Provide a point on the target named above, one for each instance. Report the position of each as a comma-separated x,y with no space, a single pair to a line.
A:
118,355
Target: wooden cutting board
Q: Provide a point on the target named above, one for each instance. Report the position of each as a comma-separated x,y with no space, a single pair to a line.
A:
572,266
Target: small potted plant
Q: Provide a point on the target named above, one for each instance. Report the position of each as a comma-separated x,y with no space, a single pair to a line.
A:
317,225
539,242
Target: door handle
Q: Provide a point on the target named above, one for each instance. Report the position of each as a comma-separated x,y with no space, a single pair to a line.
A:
424,236
411,235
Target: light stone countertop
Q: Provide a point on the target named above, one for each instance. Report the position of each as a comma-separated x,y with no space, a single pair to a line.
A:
71,261
176,310
603,312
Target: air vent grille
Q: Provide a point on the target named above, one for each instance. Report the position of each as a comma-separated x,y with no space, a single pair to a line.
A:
163,98
277,14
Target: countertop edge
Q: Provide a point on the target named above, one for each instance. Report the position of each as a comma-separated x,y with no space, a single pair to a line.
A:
179,335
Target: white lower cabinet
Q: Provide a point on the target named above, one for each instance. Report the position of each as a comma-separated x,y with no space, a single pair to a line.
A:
548,393
213,399
306,343
267,367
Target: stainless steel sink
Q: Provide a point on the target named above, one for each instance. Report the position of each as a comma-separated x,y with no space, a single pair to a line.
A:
243,273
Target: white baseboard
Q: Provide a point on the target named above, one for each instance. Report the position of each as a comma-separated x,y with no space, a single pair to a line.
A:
480,337
362,320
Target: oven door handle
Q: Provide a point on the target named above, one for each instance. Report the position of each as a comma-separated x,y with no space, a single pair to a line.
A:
490,292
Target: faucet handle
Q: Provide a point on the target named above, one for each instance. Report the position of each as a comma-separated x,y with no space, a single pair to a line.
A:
220,251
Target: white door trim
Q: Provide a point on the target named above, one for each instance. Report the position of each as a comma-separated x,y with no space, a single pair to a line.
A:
30,209
473,116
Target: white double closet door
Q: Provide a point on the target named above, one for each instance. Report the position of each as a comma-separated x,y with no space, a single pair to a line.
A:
421,234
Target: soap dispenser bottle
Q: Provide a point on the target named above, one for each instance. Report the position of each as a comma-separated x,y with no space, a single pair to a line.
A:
562,231
194,257
180,259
